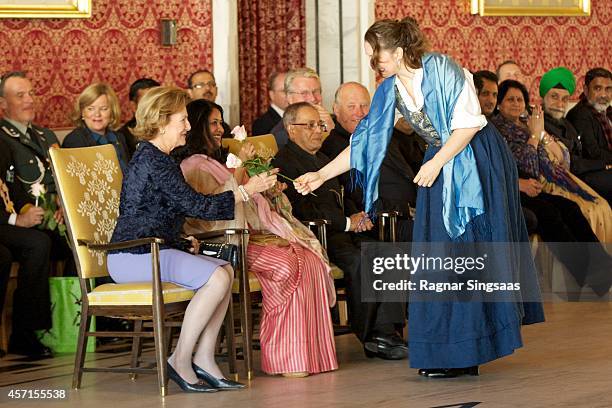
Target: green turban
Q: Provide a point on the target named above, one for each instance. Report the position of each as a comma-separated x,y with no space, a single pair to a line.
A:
557,76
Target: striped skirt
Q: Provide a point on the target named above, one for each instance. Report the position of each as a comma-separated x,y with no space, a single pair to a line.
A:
296,328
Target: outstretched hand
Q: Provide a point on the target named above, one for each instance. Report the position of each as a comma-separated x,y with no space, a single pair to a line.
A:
307,183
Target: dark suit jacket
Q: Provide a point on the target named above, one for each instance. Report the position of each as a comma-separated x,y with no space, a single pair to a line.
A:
333,145
280,134
594,143
17,194
293,162
395,186
264,124
81,137
564,131
130,139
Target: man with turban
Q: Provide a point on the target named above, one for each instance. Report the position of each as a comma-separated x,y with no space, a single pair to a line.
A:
556,87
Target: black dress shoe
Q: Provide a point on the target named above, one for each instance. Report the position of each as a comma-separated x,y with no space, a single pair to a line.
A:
185,386
448,372
222,384
27,344
386,347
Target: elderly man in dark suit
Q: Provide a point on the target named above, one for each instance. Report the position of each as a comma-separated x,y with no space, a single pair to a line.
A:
396,190
303,85
30,247
278,103
592,116
375,324
556,87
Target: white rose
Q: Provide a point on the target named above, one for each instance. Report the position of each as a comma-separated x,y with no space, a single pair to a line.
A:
37,189
239,133
233,162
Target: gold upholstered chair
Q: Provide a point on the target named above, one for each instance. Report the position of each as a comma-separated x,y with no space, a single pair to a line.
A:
265,145
88,181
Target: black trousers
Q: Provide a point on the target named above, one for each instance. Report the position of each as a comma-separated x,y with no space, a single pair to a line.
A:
60,251
560,220
344,249
600,181
31,302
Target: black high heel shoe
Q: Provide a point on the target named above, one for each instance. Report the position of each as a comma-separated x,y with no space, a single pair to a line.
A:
222,384
185,386
448,372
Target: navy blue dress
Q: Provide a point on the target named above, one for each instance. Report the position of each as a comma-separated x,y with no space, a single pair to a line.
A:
455,334
155,199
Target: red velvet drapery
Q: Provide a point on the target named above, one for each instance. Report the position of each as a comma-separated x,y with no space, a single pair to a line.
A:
272,37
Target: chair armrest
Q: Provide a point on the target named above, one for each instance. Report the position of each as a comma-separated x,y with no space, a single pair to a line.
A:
220,233
119,245
317,223
389,214
321,229
387,218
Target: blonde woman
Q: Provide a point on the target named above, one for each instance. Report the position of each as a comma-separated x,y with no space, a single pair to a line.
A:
155,199
96,117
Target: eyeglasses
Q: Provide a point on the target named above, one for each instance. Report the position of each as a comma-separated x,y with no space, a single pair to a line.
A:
200,85
314,92
312,126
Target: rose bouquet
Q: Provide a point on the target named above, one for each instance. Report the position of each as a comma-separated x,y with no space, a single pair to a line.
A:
48,203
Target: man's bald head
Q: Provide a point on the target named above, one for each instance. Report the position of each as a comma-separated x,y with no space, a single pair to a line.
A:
351,104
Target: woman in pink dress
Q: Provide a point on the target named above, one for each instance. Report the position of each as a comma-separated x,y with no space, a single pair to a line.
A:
296,334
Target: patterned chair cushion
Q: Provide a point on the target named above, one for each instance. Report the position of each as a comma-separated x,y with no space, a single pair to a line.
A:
336,272
138,293
254,284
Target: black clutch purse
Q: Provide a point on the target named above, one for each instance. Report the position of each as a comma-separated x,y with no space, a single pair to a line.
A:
227,252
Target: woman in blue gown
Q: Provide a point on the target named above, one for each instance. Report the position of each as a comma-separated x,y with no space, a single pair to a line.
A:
474,201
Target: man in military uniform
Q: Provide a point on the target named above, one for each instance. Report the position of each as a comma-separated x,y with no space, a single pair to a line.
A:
28,143
19,241
29,146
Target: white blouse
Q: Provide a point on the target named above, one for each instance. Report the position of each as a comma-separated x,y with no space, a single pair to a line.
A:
467,112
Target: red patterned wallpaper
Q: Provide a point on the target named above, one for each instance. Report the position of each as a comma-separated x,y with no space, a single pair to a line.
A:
536,43
272,37
120,43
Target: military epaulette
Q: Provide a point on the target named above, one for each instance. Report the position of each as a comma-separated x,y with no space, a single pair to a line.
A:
11,132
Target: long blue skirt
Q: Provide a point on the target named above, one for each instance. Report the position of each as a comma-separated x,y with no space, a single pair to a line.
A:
449,334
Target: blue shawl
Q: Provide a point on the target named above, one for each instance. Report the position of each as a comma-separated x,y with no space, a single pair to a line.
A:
443,81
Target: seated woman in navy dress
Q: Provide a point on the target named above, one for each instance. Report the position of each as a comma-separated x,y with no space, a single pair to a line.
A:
474,200
155,199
